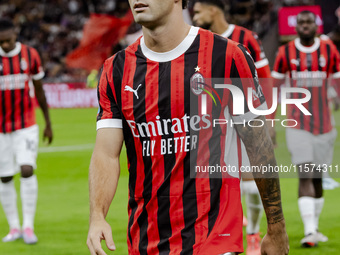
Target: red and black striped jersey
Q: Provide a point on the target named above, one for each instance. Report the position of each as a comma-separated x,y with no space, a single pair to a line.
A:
253,44
309,68
17,69
173,208
251,41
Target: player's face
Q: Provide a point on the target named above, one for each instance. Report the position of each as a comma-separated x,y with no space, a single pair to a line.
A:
7,40
306,26
203,15
151,12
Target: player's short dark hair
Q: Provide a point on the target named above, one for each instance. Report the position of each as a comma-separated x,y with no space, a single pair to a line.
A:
219,3
184,4
307,12
6,24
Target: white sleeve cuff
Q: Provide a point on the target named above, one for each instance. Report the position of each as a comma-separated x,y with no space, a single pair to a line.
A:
38,76
109,123
278,75
261,63
336,75
248,116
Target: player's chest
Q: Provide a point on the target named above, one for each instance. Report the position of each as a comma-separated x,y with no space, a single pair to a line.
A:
301,61
160,89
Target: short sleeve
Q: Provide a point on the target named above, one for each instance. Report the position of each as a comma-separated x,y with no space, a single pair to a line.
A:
109,114
37,70
280,65
256,50
334,67
244,76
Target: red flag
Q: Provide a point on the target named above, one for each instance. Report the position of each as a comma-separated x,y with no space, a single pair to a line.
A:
100,34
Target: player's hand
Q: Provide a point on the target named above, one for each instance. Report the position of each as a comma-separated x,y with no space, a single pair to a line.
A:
48,134
99,230
275,242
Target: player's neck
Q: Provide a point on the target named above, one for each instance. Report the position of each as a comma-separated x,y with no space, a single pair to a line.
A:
307,42
167,36
219,26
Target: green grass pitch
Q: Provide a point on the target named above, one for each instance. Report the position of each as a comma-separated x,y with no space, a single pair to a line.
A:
62,212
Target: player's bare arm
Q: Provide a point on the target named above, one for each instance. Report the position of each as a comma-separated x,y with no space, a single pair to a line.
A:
260,151
40,94
103,180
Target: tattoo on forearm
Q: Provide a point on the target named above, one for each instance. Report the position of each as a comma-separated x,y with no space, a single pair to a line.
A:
260,152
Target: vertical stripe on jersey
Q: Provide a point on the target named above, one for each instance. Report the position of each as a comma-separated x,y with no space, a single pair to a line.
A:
289,54
12,96
215,183
132,145
22,103
323,110
100,113
18,113
139,116
241,38
7,107
29,68
163,193
204,152
29,116
176,180
309,62
189,187
299,57
151,102
3,106
253,52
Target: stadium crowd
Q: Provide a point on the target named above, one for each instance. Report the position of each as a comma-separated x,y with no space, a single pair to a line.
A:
55,27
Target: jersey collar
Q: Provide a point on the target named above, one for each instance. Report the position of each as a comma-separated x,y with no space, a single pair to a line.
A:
173,54
13,52
305,49
229,31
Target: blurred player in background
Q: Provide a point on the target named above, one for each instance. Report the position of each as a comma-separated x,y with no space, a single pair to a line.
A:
309,62
148,84
209,14
19,66
328,183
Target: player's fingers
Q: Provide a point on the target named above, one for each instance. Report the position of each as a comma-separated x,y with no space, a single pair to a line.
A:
90,246
97,248
109,240
50,138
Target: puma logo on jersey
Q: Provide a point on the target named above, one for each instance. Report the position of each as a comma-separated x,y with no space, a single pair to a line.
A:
295,62
128,88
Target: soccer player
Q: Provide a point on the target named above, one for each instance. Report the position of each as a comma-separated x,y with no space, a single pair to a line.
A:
147,94
20,65
309,61
209,14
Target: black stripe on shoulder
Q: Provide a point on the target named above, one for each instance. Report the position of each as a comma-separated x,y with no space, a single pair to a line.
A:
241,38
100,112
252,51
287,56
117,74
29,59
